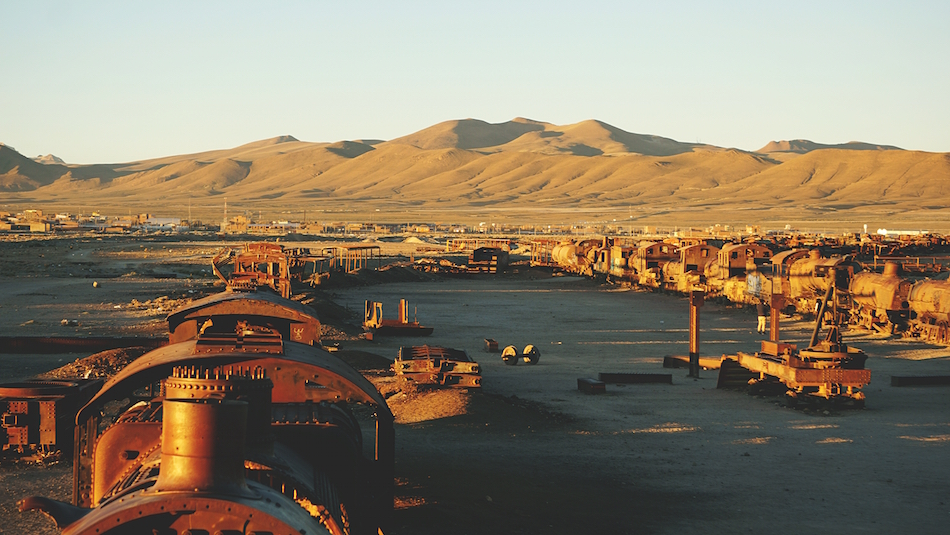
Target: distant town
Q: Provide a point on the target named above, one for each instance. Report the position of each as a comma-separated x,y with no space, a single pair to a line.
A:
37,222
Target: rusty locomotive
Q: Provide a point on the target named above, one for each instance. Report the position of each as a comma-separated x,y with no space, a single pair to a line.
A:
748,272
243,423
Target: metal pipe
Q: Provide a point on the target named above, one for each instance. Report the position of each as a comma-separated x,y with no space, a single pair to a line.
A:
695,301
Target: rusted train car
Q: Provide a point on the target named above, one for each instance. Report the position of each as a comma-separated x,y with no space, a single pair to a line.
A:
744,273
929,304
242,424
891,302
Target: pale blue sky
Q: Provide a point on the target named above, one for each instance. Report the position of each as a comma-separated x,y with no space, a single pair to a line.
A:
96,82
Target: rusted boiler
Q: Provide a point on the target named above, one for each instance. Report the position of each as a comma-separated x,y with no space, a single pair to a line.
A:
881,299
808,278
929,303
735,259
576,258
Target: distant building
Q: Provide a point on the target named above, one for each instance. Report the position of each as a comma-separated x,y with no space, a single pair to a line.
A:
278,228
33,215
235,225
885,232
162,224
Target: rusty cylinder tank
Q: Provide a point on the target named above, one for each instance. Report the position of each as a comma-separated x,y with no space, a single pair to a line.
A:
564,254
807,276
238,383
672,271
203,446
930,300
881,291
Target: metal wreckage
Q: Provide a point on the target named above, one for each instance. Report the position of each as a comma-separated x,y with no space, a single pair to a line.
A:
860,284
886,287
241,423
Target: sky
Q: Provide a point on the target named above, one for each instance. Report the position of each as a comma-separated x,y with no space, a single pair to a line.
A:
109,82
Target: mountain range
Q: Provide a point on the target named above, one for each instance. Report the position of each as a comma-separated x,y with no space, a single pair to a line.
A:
519,166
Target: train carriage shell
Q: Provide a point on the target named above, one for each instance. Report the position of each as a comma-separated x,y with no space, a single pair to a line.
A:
697,257
620,256
686,272
735,259
653,255
781,264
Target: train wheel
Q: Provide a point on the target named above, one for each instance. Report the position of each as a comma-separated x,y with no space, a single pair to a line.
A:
531,355
510,355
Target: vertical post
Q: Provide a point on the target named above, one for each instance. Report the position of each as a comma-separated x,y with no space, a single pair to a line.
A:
403,311
775,307
695,301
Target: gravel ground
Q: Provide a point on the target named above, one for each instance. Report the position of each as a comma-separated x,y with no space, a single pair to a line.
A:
529,453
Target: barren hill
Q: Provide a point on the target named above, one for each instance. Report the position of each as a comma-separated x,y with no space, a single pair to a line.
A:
801,146
49,158
469,134
518,167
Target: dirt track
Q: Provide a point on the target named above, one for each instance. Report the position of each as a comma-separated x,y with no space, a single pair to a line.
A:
531,454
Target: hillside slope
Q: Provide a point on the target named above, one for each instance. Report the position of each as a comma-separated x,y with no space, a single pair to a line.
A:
519,164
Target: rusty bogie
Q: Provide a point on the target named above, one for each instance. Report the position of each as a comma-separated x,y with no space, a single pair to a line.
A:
439,366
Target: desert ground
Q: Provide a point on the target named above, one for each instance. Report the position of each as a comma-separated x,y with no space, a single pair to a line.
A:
528,452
